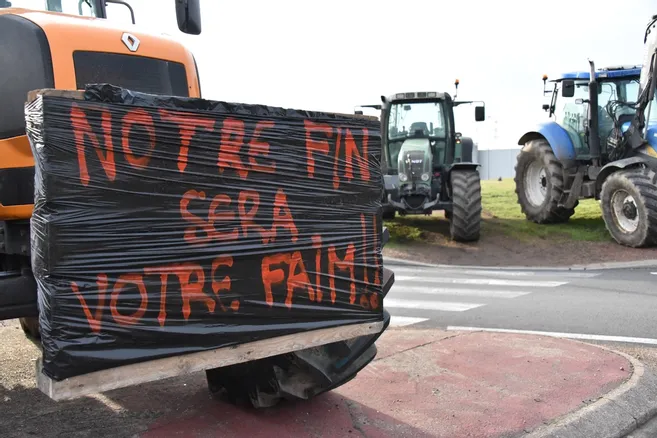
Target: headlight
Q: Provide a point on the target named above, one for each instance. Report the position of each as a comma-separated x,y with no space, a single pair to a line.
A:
425,177
403,177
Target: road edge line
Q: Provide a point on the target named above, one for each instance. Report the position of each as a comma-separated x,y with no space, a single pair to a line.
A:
650,263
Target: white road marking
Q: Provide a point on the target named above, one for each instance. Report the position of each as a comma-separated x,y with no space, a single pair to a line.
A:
391,303
532,274
481,281
485,293
500,273
401,321
631,340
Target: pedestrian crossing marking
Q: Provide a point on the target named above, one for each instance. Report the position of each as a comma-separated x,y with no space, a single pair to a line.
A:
428,289
483,293
480,281
401,321
445,306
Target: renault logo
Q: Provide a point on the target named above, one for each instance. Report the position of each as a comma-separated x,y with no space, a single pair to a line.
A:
130,41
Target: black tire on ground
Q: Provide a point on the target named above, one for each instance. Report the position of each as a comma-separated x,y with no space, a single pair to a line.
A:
388,214
629,207
465,221
539,153
30,327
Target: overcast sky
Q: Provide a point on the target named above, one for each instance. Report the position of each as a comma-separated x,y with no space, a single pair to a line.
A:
334,55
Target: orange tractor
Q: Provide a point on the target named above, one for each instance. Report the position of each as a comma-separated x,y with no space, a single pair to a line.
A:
66,44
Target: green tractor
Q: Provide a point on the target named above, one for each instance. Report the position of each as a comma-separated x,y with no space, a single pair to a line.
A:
427,165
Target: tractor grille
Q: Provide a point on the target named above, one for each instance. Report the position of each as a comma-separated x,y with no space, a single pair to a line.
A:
415,165
137,73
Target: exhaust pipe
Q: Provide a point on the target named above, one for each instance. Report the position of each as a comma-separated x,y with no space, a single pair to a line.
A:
594,136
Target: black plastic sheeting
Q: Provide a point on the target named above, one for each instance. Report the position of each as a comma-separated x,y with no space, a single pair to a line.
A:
164,225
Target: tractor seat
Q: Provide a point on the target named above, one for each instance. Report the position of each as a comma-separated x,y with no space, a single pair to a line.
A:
624,118
419,126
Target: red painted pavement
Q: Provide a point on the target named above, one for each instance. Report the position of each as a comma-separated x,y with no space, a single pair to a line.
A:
427,383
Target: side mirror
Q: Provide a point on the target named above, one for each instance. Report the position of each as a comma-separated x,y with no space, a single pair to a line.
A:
480,113
568,88
579,101
188,14
546,107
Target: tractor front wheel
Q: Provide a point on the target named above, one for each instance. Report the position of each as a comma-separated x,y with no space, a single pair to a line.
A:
388,214
629,207
540,183
465,218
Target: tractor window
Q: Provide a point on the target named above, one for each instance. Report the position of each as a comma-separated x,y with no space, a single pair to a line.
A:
608,92
73,7
630,91
416,120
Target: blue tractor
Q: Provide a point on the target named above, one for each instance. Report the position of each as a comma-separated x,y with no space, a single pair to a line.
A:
601,143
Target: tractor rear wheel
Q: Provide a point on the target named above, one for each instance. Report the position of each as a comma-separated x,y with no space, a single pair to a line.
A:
629,207
465,219
540,184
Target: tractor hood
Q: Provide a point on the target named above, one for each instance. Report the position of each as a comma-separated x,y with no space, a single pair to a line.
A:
414,161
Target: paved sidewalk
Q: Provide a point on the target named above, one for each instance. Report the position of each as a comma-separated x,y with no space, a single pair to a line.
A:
429,383
424,383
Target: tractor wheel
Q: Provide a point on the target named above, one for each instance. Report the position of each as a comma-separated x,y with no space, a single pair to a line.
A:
388,214
465,220
540,184
629,207
30,327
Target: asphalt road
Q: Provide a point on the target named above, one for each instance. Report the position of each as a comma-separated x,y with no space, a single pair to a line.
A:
589,304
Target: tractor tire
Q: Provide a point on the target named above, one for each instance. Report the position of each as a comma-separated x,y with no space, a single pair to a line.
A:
465,220
540,184
30,327
629,207
388,214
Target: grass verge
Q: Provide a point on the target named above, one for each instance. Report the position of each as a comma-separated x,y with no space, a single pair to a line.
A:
502,215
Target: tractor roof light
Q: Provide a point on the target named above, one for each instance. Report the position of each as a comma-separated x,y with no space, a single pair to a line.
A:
431,94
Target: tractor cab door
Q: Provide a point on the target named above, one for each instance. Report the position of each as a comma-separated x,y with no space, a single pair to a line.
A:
571,113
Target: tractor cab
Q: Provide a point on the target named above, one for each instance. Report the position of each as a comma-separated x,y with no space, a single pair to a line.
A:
422,155
570,106
417,133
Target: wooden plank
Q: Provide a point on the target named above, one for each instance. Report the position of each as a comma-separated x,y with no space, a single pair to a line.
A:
135,374
69,94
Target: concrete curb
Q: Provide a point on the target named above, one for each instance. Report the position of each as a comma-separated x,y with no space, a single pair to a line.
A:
590,267
615,414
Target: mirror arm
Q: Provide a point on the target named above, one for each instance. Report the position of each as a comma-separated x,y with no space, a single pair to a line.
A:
127,5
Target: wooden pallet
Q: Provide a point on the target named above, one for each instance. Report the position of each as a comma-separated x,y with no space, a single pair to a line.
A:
153,370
